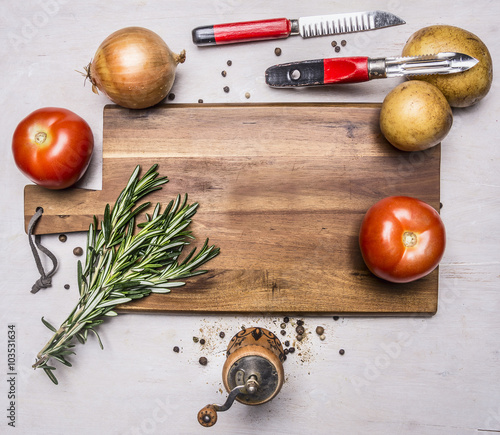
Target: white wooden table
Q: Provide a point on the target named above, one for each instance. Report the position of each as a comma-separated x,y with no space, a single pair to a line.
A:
438,375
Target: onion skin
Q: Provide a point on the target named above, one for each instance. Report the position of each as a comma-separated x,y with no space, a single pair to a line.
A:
134,68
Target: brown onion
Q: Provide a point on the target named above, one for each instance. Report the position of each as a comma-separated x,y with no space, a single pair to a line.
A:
134,68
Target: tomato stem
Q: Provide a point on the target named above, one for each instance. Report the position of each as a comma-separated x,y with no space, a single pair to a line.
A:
40,137
409,239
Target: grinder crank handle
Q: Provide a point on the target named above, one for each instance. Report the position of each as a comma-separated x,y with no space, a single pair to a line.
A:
207,416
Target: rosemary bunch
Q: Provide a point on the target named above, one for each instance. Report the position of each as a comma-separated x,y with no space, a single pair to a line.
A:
123,264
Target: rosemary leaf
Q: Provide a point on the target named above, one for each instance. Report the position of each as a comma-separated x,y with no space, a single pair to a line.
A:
48,325
51,376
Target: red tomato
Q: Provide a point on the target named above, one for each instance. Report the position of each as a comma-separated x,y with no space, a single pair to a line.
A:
402,239
52,147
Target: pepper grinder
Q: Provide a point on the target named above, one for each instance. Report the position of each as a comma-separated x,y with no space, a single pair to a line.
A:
252,373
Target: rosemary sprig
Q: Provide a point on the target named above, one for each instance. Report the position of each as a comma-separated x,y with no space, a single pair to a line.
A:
123,264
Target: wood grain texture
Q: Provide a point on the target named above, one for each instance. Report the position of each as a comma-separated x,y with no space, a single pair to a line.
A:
282,190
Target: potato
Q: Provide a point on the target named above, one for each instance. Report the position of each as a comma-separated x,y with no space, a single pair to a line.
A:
415,116
461,89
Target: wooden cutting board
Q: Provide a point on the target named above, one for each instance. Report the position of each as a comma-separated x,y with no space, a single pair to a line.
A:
282,190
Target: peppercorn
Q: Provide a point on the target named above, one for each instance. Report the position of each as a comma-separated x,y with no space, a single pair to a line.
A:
78,251
291,349
286,320
343,43
224,73
320,330
202,341
277,51
63,238
171,96
300,337
176,349
283,332
229,62
287,343
283,325
226,89
203,361
200,101
66,286
300,322
222,334
337,49
196,339
300,330
341,351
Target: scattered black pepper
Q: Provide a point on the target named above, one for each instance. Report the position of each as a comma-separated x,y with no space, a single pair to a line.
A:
224,73
63,238
287,343
343,43
334,43
277,51
226,89
176,349
286,320
78,251
171,96
320,330
202,341
203,361
222,334
200,101
300,322
291,349
229,62
300,330
337,49
341,351
66,286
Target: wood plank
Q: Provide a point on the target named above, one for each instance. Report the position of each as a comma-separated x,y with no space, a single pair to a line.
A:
282,190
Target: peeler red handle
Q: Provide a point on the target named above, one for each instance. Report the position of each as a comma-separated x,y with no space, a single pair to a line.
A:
318,72
345,70
246,31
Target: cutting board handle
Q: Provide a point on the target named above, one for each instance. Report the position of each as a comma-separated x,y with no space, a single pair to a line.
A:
67,210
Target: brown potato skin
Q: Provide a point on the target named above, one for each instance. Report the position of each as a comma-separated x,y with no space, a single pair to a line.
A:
415,116
461,89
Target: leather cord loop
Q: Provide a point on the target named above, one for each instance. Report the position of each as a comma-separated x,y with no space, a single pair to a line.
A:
45,279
